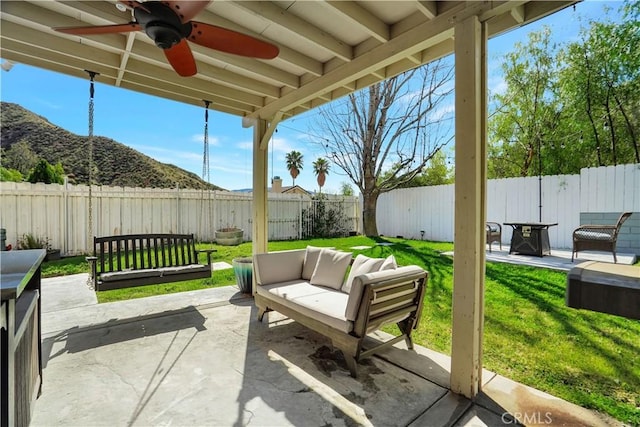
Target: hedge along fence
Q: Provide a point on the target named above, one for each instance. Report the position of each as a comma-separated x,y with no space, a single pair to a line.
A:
61,213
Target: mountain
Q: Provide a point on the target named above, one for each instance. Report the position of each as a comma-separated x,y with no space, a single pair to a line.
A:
114,163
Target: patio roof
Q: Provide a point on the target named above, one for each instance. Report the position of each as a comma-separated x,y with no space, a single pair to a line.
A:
327,48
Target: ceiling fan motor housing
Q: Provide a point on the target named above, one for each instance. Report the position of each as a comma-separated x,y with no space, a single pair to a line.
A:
162,24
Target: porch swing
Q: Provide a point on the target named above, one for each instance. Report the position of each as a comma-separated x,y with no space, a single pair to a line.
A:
123,261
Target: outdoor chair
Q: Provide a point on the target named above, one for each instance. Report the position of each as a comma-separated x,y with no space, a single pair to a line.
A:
494,233
598,237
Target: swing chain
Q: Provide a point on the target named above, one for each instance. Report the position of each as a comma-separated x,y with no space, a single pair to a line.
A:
205,160
92,75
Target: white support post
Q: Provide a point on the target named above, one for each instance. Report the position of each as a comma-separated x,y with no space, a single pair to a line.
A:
260,206
470,207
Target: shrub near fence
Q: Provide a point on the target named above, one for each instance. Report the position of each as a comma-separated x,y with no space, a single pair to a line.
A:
60,213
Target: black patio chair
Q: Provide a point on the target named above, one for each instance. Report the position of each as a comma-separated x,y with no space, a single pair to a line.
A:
494,233
598,237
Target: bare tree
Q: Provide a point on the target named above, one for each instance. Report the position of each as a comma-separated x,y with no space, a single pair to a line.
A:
384,135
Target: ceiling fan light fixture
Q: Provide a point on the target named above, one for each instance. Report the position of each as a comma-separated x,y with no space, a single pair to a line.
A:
163,35
121,7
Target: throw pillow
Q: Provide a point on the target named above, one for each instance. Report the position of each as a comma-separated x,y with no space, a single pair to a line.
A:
331,268
361,265
389,263
310,261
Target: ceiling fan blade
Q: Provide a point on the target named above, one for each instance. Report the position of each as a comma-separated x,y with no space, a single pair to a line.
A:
100,29
181,59
230,41
133,5
187,9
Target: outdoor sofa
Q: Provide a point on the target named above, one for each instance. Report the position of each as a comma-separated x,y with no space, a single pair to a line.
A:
309,286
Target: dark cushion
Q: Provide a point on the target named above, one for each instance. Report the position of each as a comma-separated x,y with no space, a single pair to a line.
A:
593,235
129,274
169,271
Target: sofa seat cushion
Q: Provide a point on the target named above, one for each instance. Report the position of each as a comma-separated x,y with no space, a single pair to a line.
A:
130,274
193,268
323,304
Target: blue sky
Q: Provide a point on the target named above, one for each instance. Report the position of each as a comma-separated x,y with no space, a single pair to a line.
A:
172,132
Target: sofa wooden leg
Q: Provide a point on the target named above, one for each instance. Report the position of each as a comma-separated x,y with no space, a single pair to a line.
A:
409,341
261,312
351,364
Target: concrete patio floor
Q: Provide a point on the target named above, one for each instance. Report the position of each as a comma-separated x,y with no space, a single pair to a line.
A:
202,358
560,259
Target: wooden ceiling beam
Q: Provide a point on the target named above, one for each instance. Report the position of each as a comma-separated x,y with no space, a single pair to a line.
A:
298,26
361,17
428,8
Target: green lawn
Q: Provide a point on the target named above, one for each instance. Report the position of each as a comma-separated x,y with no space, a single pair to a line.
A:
591,359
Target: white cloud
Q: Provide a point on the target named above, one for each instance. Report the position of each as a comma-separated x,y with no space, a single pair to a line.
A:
277,144
282,145
199,138
497,85
443,112
245,145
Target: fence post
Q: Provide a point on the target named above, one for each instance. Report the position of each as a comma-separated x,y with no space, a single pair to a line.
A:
300,222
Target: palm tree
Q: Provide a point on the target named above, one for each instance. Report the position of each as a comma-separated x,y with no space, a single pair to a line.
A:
294,164
321,169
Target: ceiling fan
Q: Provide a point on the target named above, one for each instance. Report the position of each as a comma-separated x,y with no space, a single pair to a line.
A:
169,25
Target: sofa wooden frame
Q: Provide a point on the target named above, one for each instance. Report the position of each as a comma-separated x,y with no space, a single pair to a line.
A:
397,300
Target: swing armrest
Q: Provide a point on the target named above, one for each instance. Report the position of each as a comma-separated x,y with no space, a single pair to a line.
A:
208,252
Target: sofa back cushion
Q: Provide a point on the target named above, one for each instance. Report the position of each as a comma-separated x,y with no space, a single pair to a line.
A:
331,268
389,263
276,267
361,265
310,260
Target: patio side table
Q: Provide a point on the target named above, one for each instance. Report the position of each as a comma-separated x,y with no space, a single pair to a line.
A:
530,238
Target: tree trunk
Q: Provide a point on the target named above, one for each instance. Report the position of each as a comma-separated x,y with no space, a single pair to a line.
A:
321,180
370,202
632,134
294,174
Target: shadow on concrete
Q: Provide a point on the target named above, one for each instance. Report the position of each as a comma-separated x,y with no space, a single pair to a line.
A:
289,367
76,339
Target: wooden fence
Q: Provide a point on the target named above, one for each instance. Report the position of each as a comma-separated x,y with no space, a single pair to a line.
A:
61,213
614,189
